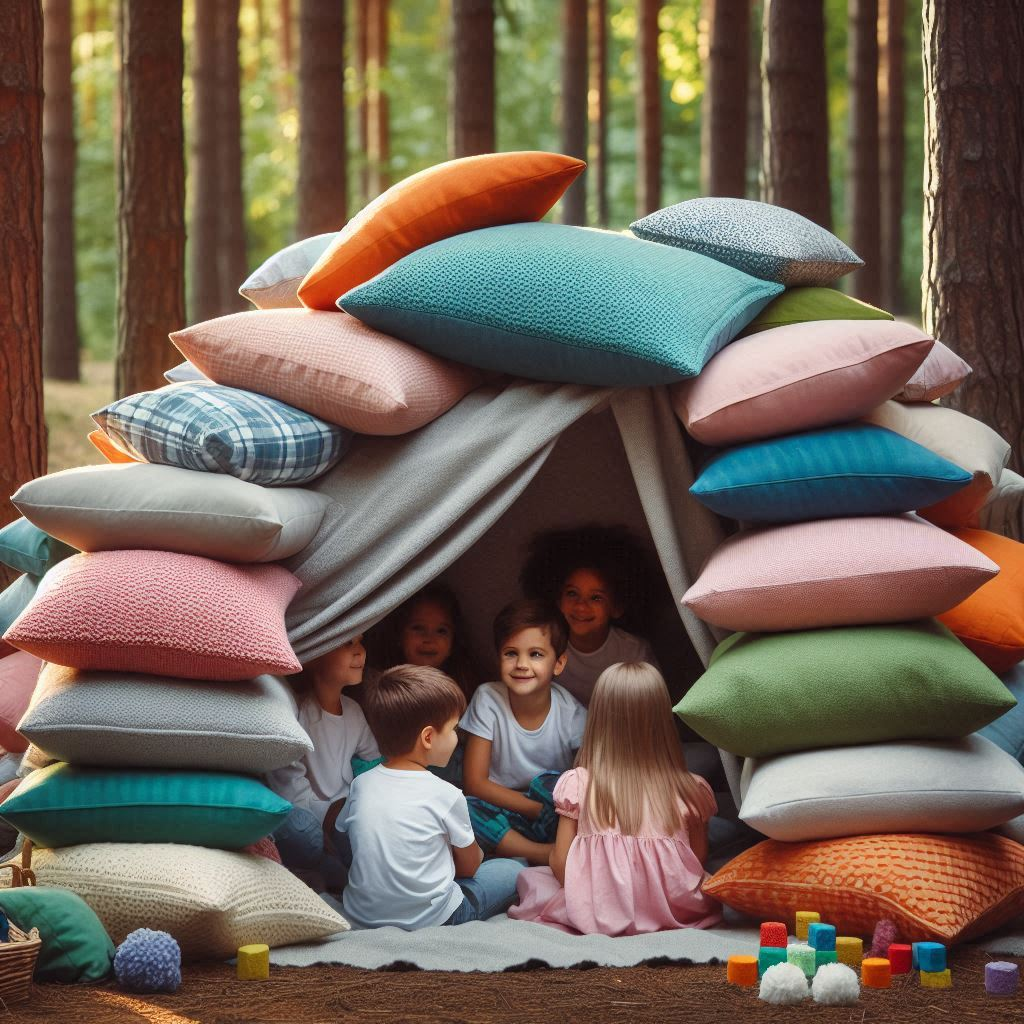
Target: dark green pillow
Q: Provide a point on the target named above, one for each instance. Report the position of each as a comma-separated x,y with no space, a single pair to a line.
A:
75,945
26,548
798,305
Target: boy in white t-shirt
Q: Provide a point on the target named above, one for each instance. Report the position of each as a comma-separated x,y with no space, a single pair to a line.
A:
523,733
414,860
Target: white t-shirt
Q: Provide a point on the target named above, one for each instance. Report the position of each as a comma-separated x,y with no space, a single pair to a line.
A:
581,670
402,825
325,775
517,754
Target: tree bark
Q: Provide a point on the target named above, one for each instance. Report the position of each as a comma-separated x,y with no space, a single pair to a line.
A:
723,140
471,100
755,118
378,137
795,109
322,186
598,107
22,428
648,108
362,8
60,309
974,203
890,149
574,104
863,194
151,194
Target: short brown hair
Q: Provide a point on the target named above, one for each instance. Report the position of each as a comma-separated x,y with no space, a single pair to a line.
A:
405,700
531,614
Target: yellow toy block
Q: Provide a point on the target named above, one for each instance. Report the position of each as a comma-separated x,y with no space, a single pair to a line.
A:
803,919
850,951
254,962
936,979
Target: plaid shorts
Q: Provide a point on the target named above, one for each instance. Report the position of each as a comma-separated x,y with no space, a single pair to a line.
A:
491,823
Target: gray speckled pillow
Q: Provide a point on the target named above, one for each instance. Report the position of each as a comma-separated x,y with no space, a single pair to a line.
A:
766,241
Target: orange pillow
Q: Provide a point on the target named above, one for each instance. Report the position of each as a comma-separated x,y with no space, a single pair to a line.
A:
107,448
940,888
441,201
991,621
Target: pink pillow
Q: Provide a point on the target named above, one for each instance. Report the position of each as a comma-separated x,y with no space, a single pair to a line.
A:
161,612
942,372
18,675
836,572
798,377
330,365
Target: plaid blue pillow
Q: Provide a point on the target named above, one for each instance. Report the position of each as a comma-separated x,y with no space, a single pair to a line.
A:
208,427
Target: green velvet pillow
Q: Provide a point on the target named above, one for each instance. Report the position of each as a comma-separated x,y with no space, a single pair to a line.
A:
75,945
64,805
26,548
798,305
770,693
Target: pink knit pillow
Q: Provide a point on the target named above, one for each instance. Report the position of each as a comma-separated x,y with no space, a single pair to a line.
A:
330,365
836,572
161,612
18,675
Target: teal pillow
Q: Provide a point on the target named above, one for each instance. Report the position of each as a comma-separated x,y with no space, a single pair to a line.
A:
1008,731
16,598
771,693
850,470
76,947
64,805
562,303
26,548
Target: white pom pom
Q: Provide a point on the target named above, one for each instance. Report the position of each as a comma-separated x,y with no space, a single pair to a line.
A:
783,983
835,985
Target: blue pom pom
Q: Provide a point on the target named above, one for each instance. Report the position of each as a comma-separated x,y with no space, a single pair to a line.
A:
148,961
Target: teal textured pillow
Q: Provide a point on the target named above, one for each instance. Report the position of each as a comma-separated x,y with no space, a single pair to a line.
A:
64,805
562,303
16,598
26,548
850,470
1008,731
770,693
76,946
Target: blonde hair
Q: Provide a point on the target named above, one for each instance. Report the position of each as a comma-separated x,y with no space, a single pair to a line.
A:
633,756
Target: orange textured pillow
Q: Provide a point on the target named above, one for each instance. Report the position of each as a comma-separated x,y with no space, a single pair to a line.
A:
447,199
991,621
935,888
107,449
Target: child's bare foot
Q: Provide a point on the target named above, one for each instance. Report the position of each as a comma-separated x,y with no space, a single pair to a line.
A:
515,845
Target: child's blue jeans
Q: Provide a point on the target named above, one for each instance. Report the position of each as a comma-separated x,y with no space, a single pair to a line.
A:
300,841
492,890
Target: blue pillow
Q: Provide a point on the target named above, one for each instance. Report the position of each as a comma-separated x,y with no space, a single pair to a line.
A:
208,427
562,303
26,548
851,470
16,598
1008,731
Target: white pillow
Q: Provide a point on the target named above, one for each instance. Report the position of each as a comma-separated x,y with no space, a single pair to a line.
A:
184,373
275,283
966,785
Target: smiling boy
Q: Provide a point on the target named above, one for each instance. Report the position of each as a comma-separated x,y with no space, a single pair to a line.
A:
523,733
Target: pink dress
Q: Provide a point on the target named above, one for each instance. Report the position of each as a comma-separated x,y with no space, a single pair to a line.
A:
616,884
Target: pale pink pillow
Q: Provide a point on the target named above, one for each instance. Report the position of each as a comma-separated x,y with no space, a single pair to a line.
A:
18,675
330,365
798,377
942,372
161,612
836,572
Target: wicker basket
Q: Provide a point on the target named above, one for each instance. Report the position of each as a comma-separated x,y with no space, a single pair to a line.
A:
18,955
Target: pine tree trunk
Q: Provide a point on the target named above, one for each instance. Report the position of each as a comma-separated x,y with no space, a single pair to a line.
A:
22,428
322,191
890,150
60,310
471,100
151,194
795,109
574,104
599,107
863,195
378,138
755,110
974,203
648,109
723,141
362,8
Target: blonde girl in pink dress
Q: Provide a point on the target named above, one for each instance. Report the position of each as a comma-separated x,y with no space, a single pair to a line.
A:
632,831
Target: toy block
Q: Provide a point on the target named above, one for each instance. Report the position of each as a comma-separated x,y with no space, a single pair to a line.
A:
774,933
802,955
1001,978
824,956
914,965
742,970
900,958
937,979
254,962
875,972
850,950
803,919
769,956
931,957
821,936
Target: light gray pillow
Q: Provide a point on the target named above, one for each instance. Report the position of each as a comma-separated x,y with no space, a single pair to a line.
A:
966,785
769,242
1013,829
275,284
165,508
142,721
184,373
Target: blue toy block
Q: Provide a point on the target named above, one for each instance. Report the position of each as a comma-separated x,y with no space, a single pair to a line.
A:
913,955
821,936
931,957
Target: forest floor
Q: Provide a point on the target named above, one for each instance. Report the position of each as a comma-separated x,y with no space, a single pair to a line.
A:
67,408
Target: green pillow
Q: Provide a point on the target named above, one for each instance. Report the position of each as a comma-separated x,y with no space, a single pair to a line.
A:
64,805
75,945
26,548
798,305
770,693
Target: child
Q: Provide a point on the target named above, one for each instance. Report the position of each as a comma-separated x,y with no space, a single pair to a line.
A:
318,784
632,831
523,733
596,576
414,861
